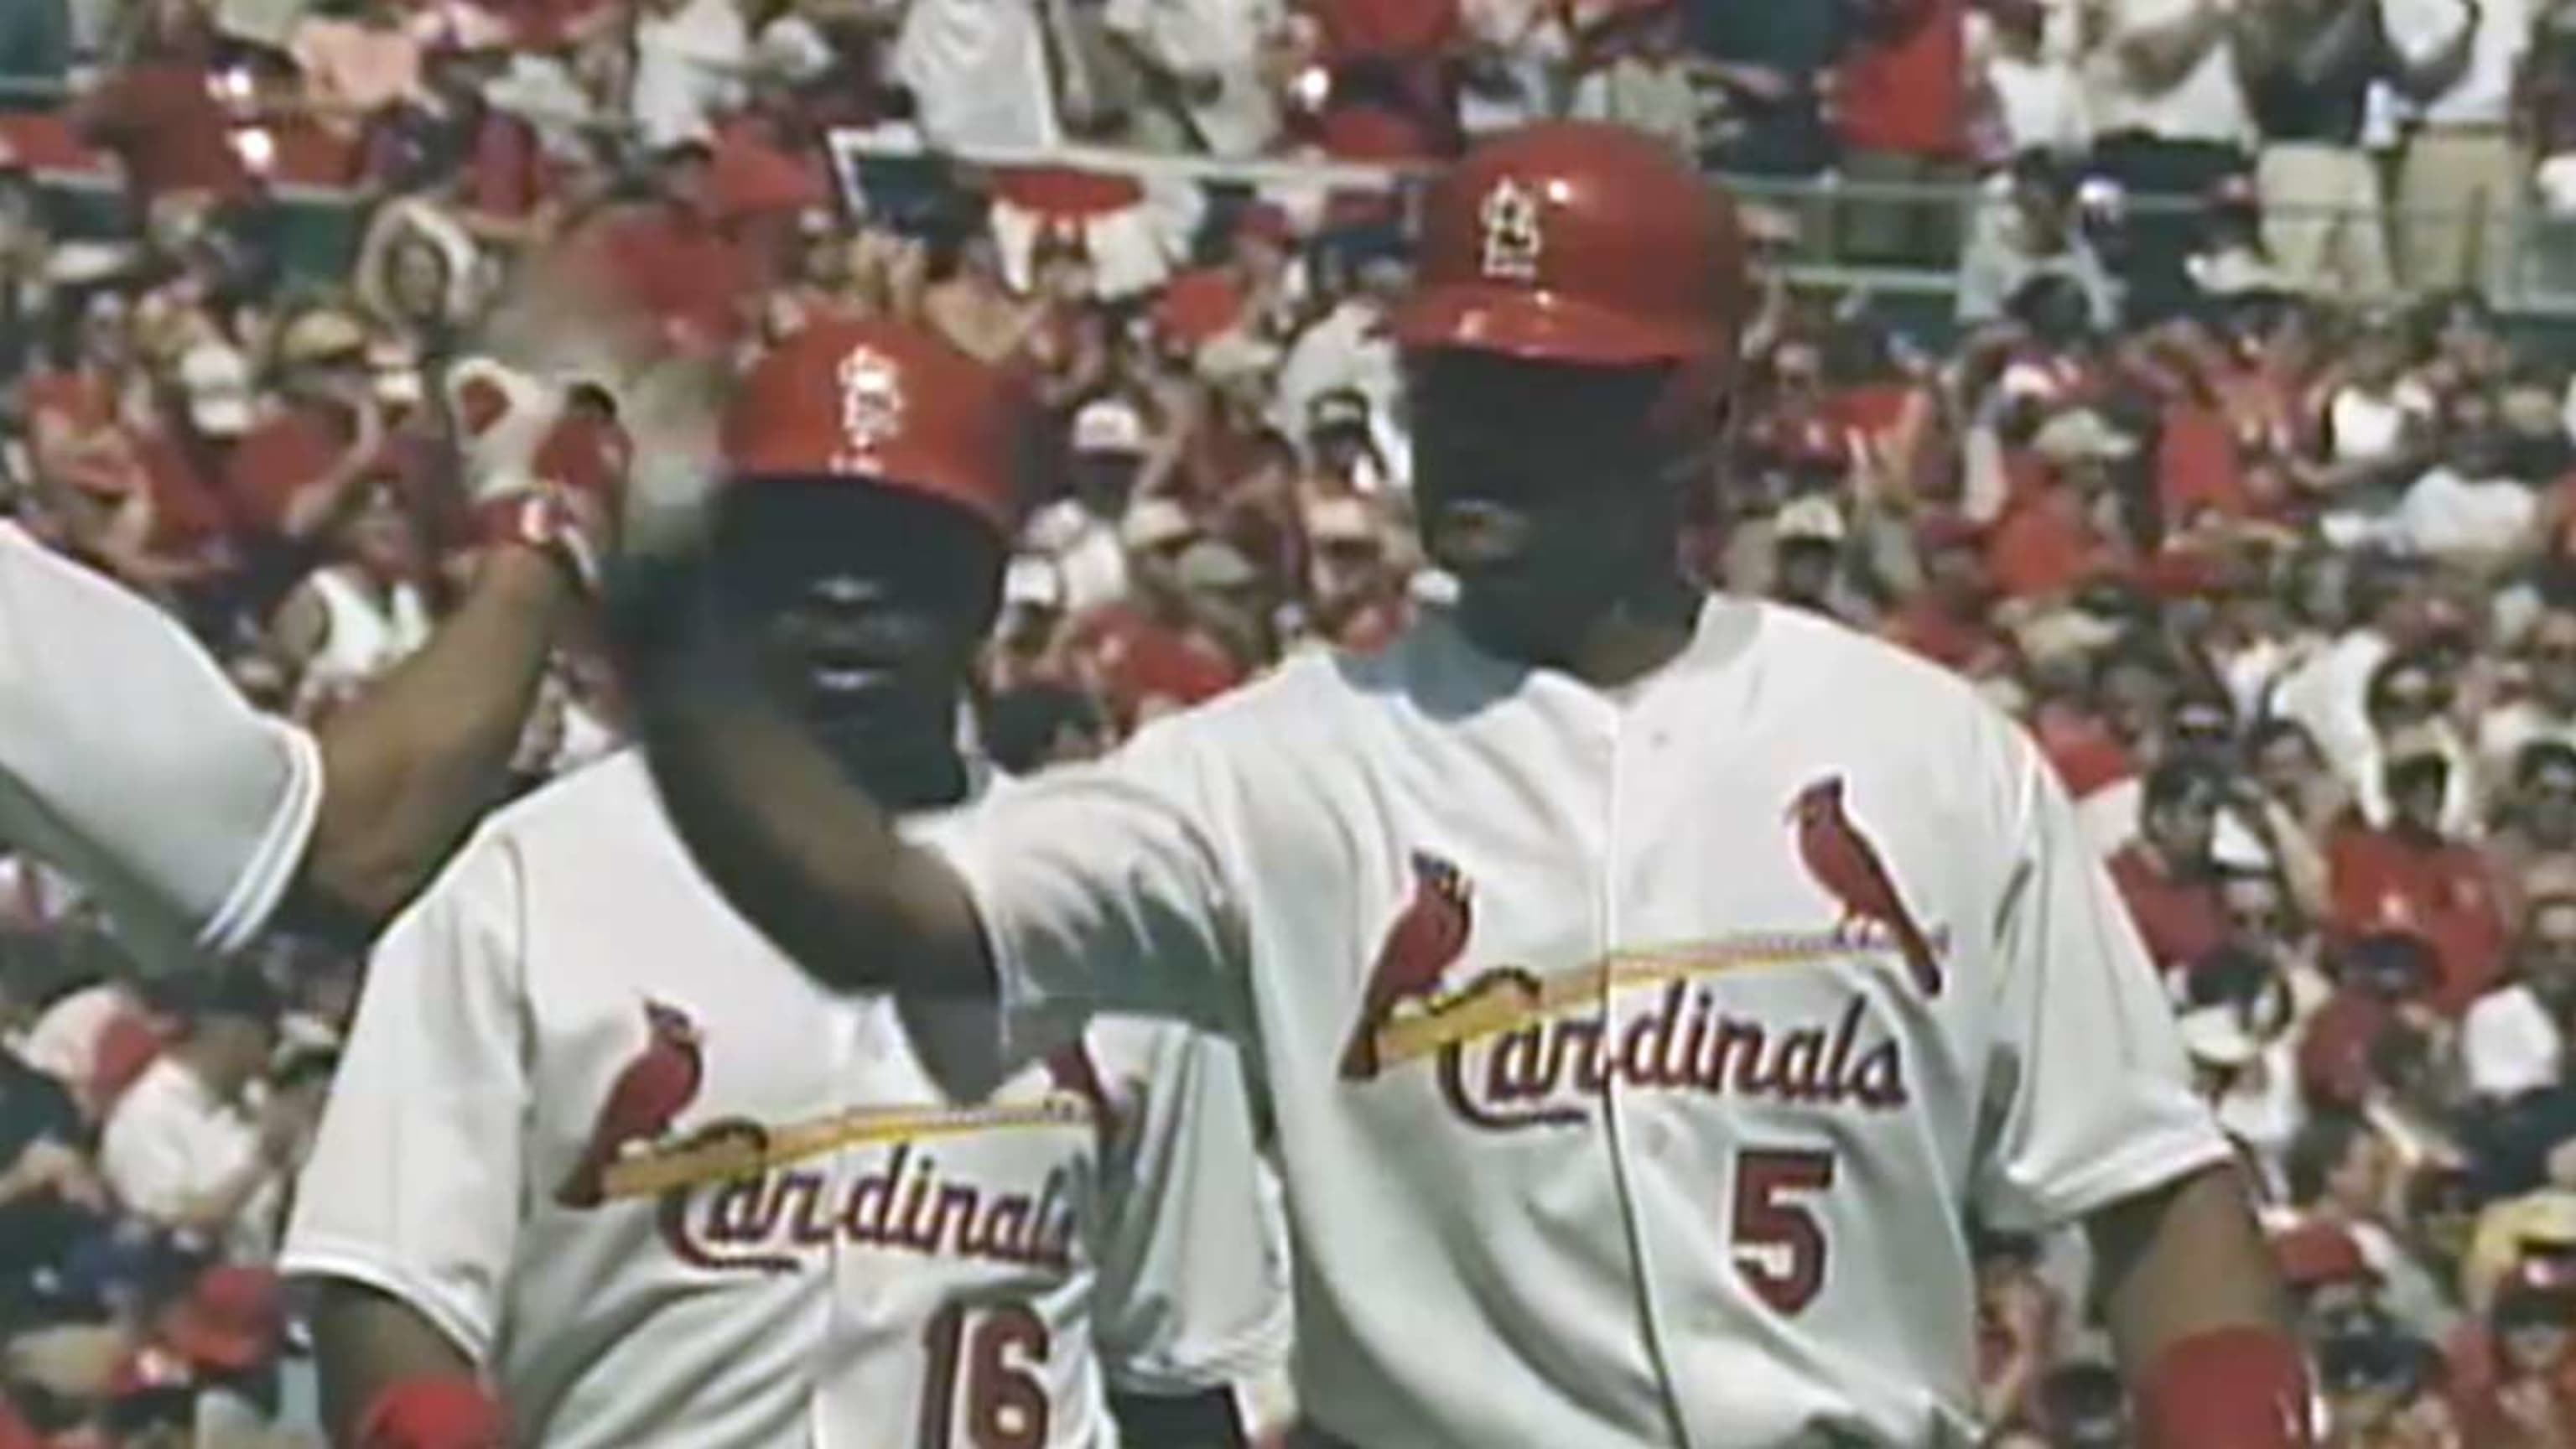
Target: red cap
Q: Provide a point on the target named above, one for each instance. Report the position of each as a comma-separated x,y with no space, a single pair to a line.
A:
1583,242
882,403
231,1320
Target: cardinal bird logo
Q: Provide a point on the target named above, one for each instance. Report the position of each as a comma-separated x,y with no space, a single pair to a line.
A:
1425,941
650,1093
1843,861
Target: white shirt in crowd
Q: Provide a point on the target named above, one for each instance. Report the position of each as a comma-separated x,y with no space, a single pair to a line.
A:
1583,1075
1347,348
572,998
2207,104
978,71
2483,95
1220,37
2040,102
2327,692
2364,426
1088,557
2465,520
689,67
128,760
363,635
2509,1045
170,1140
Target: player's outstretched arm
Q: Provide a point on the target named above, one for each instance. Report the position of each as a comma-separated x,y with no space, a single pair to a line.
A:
2196,1317
800,851
392,1381
408,767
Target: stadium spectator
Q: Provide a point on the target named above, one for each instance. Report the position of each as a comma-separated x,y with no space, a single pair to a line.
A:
2514,1038
2026,230
1901,117
2461,178
192,1146
2312,64
2168,874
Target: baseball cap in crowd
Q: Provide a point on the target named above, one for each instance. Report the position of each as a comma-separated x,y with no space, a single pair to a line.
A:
2216,1037
1155,523
1108,426
232,1319
320,336
217,381
1813,519
2082,435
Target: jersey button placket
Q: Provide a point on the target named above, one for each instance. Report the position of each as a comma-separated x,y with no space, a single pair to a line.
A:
1642,1142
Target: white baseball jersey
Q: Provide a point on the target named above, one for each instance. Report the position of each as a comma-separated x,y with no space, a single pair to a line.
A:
667,1192
1635,1056
129,761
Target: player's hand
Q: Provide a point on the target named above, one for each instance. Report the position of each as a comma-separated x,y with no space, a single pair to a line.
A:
546,463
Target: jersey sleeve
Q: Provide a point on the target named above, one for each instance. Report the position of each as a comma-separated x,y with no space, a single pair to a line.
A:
2086,1080
1193,1264
1104,888
128,761
415,1183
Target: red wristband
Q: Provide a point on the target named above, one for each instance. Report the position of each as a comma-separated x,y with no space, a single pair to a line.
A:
2230,1388
433,1413
545,523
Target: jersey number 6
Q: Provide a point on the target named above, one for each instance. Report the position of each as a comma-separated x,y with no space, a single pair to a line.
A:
1780,1247
996,1349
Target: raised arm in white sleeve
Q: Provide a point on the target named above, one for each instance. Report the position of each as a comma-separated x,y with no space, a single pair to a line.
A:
129,761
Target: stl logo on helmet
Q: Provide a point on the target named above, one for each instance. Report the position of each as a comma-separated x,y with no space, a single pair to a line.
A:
1512,241
872,404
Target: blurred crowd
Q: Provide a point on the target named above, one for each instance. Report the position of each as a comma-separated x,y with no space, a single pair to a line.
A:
2226,480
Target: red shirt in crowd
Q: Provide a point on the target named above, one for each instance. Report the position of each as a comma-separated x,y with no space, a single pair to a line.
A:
2384,880
187,515
2045,545
283,454
2181,920
161,119
681,269
1140,666
2197,467
1906,91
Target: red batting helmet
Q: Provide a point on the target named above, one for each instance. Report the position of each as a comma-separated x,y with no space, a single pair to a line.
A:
1576,241
885,403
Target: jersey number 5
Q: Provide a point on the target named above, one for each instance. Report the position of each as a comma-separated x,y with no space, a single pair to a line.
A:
988,1355
1780,1247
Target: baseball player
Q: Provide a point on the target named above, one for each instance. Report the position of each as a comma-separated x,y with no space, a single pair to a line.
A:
600,1162
128,760
1646,986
